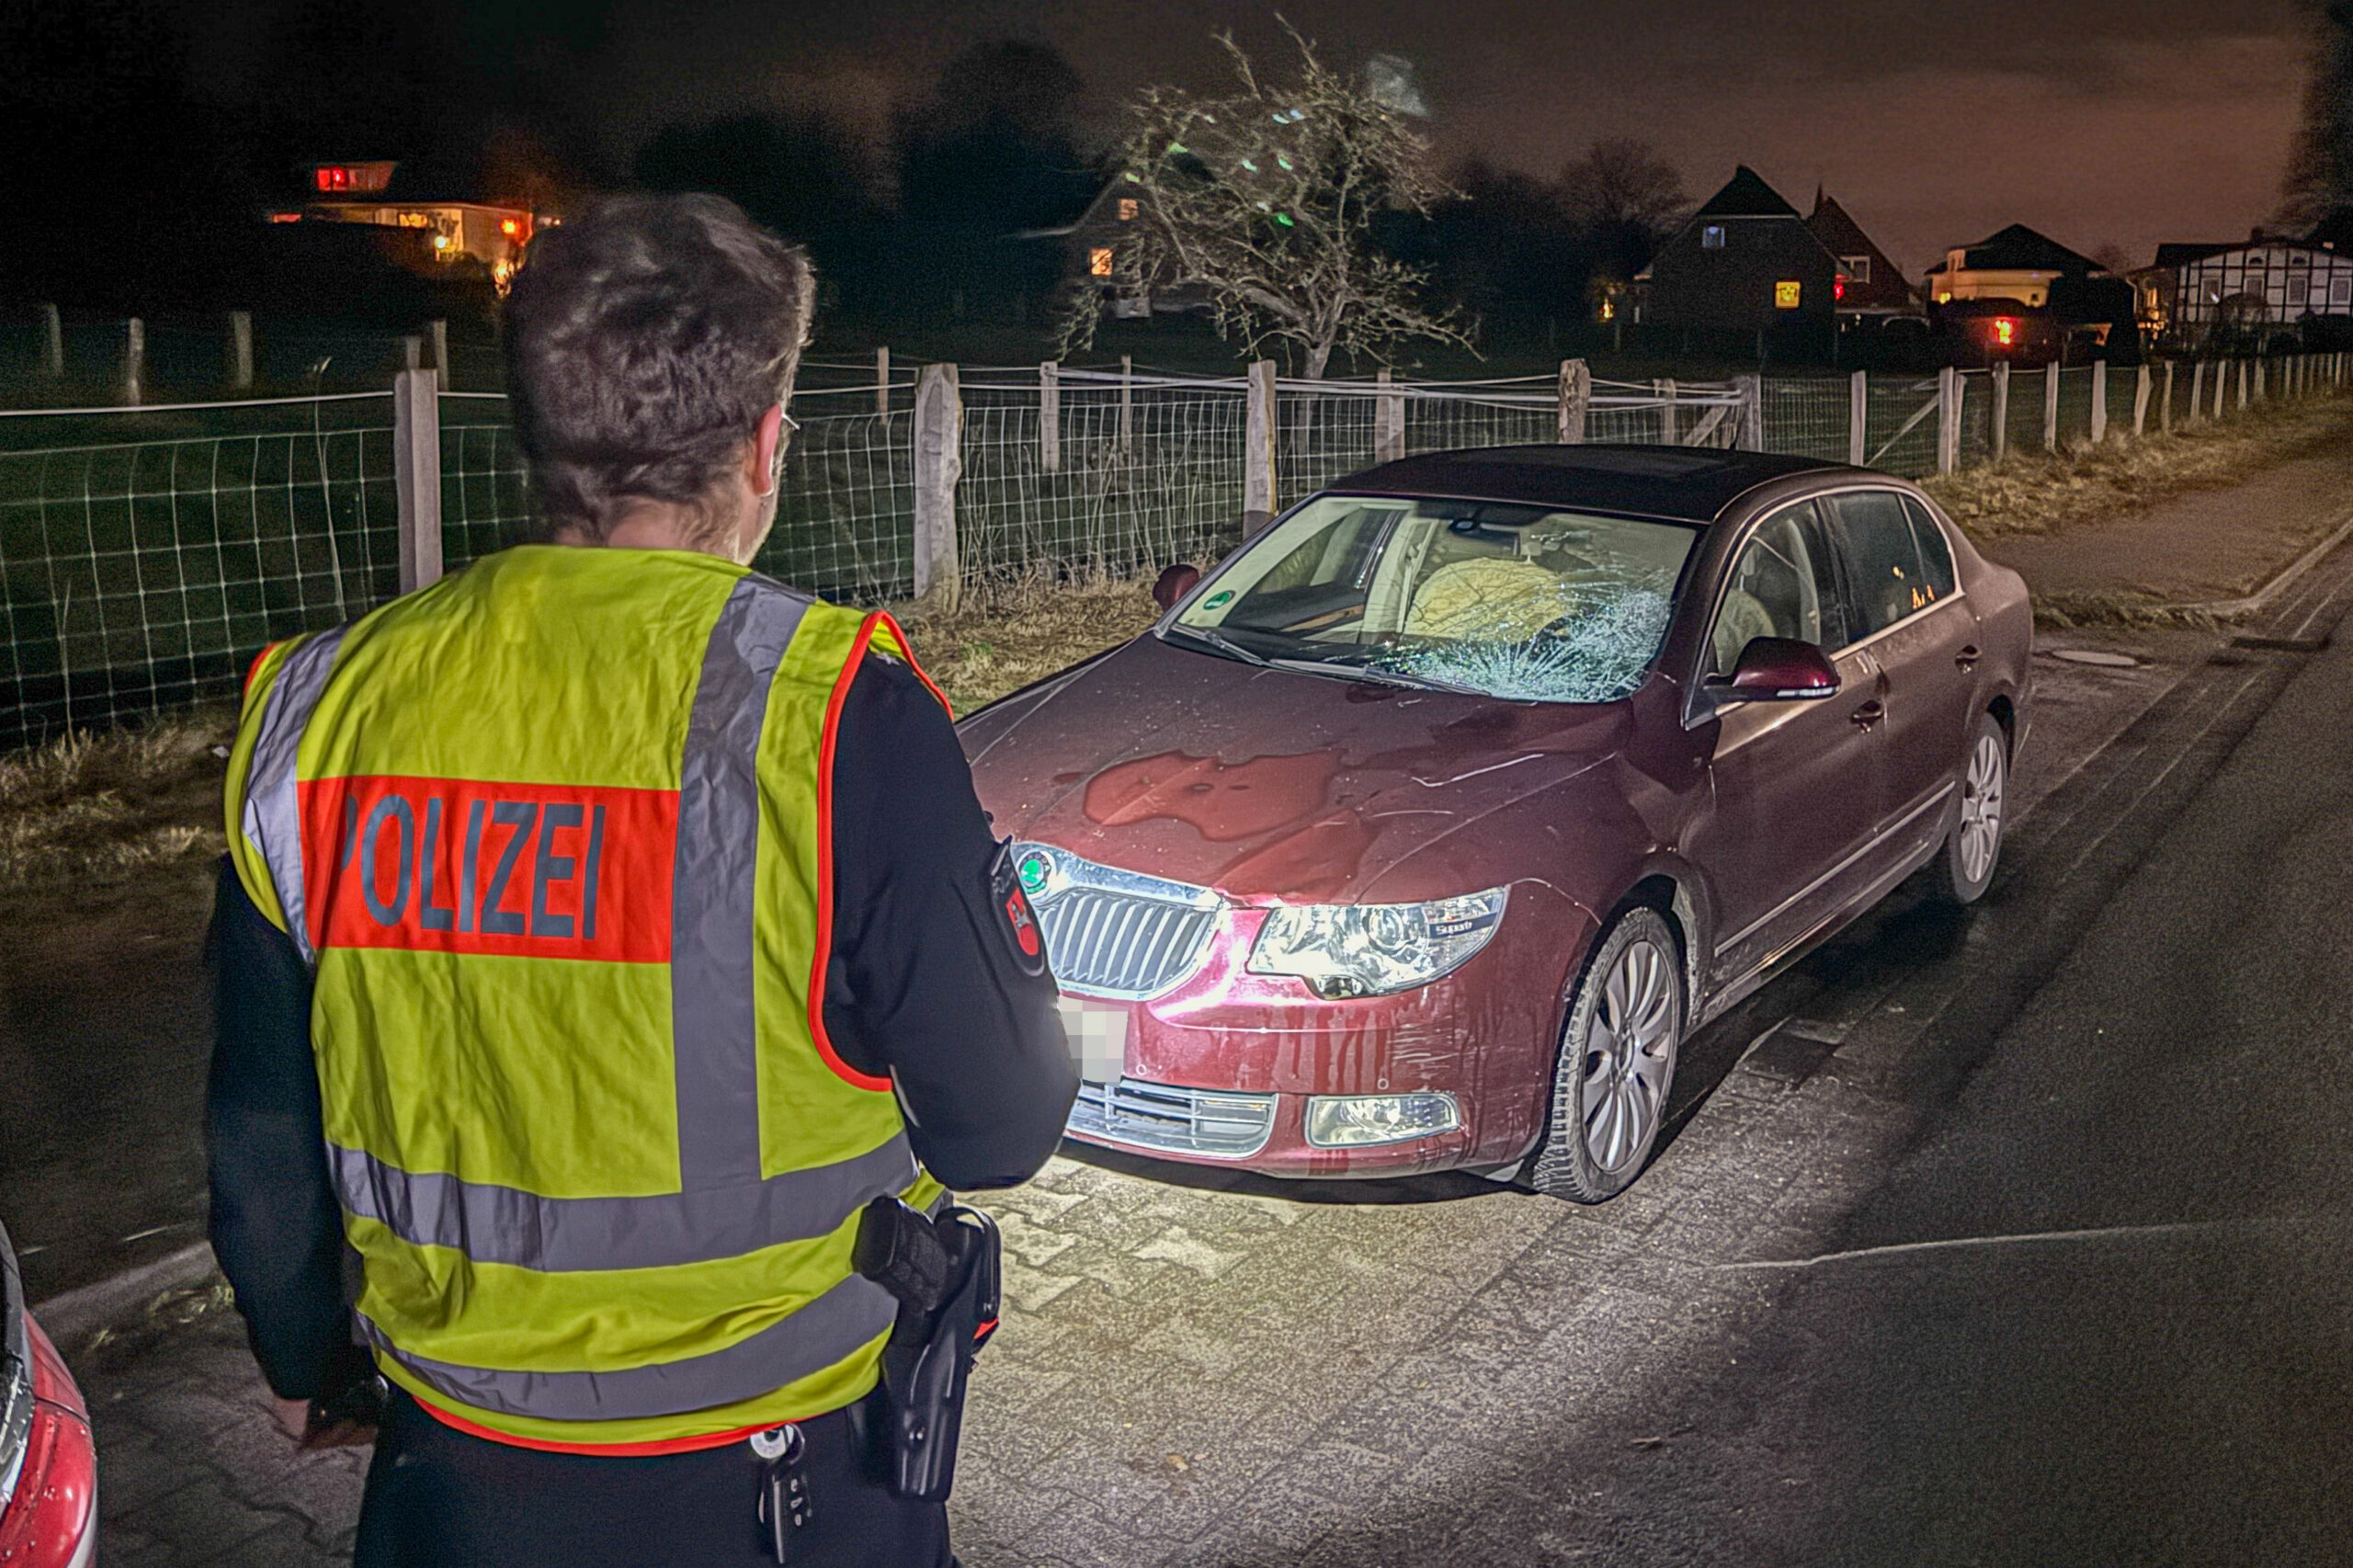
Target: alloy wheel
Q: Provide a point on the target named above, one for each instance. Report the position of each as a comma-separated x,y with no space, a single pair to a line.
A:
1981,808
1629,1057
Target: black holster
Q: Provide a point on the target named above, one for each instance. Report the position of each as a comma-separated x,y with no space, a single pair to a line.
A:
946,1274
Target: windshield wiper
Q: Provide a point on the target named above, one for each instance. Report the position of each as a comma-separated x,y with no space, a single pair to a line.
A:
1220,641
1376,676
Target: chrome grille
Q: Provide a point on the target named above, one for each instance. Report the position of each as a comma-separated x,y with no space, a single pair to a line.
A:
1115,933
1217,1122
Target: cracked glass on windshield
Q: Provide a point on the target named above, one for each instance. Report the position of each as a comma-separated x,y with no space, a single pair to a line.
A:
1509,601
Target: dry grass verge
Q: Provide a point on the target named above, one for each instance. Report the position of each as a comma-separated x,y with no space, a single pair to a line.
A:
2040,495
97,810
1003,640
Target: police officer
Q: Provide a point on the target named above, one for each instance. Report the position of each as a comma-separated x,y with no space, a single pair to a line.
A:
603,928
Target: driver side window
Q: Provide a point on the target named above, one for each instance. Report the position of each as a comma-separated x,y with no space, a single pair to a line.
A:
1783,584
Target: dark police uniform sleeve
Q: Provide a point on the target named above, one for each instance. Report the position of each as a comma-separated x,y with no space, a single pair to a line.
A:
930,978
920,983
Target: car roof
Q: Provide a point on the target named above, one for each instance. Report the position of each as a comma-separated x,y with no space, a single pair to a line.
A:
1690,484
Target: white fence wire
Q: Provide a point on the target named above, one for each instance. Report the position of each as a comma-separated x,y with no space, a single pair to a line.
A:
146,555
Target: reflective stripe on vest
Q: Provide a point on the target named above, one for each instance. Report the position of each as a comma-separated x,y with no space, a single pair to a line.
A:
273,814
850,1314
397,865
501,1224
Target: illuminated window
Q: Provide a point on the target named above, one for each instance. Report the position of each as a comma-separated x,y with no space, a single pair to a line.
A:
1712,237
416,221
1785,294
1127,210
1857,267
1098,261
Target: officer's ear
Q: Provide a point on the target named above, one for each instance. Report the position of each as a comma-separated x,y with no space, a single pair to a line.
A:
764,456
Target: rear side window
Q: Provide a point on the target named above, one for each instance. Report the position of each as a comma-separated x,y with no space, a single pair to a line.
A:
1936,555
1884,574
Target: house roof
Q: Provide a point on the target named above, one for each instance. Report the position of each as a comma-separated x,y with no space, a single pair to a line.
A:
2183,255
2020,249
2336,231
1745,194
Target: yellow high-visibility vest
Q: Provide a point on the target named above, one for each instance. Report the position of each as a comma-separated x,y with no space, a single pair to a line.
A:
554,835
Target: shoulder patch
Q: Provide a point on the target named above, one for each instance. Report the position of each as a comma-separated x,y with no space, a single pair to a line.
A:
1011,911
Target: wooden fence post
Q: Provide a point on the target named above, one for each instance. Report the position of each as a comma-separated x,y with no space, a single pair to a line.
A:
241,350
940,464
1258,450
134,361
2258,378
2222,384
53,342
1858,417
2196,391
1749,436
883,380
2100,402
1948,419
2051,406
416,475
1127,398
1668,434
1388,420
2001,442
1576,400
412,353
2164,414
1050,416
2141,388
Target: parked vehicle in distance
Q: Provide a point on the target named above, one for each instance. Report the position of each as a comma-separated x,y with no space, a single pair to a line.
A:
49,1468
1421,831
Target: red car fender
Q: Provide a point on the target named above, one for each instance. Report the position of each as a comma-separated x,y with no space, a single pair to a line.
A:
52,1519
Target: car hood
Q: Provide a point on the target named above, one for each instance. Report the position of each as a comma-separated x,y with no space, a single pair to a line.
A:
1273,784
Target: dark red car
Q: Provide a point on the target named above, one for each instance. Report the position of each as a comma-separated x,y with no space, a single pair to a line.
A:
49,1468
1421,831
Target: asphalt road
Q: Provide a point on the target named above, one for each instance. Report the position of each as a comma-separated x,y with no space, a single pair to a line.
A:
2104,1312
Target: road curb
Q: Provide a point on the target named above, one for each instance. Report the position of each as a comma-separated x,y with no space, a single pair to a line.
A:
76,1312
2228,609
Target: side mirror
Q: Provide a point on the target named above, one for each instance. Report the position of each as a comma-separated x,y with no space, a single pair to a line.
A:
1174,584
1777,669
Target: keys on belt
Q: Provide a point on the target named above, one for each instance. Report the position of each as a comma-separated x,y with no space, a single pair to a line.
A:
784,1486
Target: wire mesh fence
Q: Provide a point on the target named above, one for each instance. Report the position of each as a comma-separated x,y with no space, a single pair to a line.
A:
140,576
145,557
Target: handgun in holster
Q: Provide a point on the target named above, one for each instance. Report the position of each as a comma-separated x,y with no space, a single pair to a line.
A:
946,1274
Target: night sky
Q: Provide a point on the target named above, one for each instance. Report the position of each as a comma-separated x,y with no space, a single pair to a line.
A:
2118,123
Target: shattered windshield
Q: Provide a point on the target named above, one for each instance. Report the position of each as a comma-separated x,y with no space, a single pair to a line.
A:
1509,601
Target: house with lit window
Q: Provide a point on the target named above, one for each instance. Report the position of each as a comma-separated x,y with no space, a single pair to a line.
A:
1091,246
491,233
2086,302
2220,295
1869,286
1744,274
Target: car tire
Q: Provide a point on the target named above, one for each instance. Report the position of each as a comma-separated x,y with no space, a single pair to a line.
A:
1973,848
1616,1065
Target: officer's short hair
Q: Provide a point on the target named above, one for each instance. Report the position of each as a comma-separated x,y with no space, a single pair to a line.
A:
645,337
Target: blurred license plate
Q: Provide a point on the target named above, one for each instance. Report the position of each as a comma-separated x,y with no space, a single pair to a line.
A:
1099,1038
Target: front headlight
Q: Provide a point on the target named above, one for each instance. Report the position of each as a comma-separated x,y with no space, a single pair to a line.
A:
1366,949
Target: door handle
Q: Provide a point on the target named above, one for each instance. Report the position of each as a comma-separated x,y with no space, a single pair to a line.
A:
1967,658
1870,713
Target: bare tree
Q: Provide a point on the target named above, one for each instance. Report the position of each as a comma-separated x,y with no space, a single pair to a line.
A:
2320,170
1266,200
1627,198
